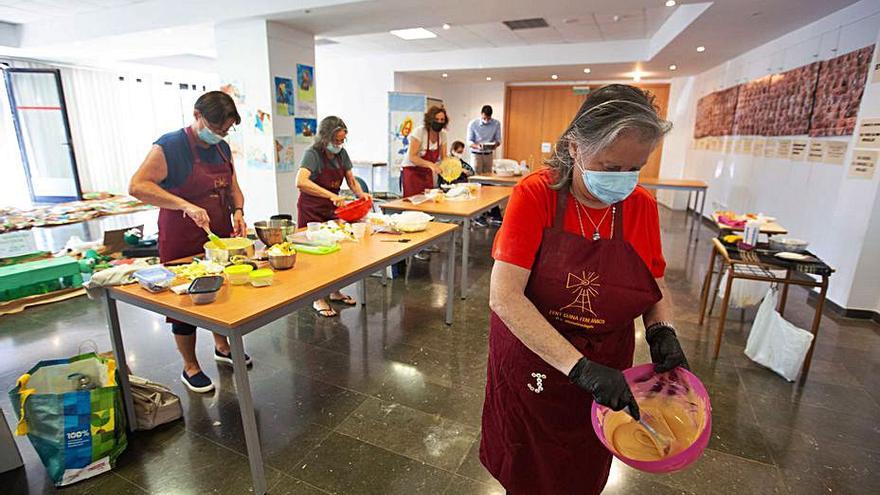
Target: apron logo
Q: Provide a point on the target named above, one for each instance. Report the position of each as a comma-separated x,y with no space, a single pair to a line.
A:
539,383
584,288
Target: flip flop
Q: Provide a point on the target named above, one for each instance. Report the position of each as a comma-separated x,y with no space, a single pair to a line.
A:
326,312
347,300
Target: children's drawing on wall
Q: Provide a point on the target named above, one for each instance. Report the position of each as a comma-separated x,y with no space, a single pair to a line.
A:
305,91
283,96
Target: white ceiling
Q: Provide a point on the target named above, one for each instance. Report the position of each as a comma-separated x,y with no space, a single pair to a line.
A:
25,11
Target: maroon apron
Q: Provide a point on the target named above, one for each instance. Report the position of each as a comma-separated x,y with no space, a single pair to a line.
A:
537,435
208,187
416,178
314,208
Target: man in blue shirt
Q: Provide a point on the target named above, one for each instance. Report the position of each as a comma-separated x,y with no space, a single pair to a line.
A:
484,135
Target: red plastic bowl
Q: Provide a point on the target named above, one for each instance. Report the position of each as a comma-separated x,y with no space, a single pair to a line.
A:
354,211
672,463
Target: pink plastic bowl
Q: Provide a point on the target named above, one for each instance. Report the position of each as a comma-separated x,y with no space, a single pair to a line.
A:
672,463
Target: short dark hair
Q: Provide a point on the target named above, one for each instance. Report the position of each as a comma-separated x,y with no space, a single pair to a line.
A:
487,109
431,114
456,144
217,107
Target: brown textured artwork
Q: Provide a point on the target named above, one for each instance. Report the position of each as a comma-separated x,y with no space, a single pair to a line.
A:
751,107
715,113
839,93
790,101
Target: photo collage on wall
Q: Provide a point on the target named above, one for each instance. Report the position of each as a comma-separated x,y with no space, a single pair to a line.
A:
295,103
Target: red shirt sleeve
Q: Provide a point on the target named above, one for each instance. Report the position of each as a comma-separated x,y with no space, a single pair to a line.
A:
532,207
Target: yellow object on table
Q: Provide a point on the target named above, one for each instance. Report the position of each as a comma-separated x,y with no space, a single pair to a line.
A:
450,168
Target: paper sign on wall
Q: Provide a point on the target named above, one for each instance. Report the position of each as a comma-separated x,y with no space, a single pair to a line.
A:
863,164
816,152
770,148
869,133
728,145
17,244
835,152
783,148
758,147
546,147
748,144
799,149
876,69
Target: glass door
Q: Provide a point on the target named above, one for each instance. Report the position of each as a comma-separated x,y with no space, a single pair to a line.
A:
43,130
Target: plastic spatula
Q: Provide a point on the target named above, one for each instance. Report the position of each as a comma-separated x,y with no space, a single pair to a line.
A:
214,239
662,443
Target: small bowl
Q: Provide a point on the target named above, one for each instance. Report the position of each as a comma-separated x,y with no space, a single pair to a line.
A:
282,262
788,244
637,377
238,274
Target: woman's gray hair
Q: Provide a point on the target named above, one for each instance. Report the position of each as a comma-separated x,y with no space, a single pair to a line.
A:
605,114
327,129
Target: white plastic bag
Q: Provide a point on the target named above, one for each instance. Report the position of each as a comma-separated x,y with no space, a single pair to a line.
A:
776,343
745,293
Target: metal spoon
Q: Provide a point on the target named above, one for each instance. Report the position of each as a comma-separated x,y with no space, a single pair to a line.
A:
662,443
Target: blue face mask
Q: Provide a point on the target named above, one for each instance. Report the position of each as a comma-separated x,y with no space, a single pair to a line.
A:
610,187
332,148
209,136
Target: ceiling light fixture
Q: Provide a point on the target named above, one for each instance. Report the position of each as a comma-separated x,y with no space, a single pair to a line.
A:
488,78
554,77
616,18
637,76
670,3
446,26
418,33
445,75
588,70
701,48
673,67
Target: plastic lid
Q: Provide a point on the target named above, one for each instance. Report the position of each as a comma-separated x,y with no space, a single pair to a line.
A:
238,269
262,273
155,274
206,285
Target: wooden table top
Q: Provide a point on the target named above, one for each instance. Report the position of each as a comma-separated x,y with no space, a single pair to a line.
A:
683,183
770,228
498,179
489,196
236,305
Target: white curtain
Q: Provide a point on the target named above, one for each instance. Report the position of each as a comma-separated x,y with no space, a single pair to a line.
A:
13,187
115,117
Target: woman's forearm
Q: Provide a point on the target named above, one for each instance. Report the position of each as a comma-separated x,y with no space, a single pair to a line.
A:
307,186
529,326
662,310
153,194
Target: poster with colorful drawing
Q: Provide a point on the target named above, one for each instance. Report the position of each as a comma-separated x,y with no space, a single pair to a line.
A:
285,158
305,91
283,96
258,142
234,89
305,130
405,110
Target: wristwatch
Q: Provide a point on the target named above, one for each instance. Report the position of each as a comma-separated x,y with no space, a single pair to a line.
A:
238,208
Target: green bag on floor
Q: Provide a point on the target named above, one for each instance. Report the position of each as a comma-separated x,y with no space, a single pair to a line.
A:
71,411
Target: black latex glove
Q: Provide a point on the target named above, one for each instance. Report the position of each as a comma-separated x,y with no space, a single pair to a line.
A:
666,352
607,385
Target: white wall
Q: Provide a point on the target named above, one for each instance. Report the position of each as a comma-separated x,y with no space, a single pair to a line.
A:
816,201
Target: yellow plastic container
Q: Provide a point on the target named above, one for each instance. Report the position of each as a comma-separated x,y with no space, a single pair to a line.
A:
238,274
262,277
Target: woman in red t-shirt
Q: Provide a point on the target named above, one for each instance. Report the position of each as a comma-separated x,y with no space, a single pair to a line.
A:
577,259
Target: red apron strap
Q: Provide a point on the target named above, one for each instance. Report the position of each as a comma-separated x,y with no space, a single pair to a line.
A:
561,202
618,221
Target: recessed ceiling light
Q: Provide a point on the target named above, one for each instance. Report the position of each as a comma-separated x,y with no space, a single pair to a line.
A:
446,26
670,3
588,70
637,76
554,77
488,78
413,34
673,67
445,75
615,18
701,48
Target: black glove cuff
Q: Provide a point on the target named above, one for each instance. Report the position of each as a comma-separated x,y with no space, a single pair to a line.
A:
658,329
577,368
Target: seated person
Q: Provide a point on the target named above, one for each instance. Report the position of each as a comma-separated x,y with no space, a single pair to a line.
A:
466,170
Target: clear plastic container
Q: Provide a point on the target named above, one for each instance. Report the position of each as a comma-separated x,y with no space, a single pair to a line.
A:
238,274
262,277
155,279
203,290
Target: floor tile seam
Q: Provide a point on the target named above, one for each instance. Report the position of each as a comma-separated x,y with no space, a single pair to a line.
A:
819,406
118,475
764,464
310,485
230,449
396,453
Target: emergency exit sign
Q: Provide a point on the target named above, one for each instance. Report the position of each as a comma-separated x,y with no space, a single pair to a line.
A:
581,90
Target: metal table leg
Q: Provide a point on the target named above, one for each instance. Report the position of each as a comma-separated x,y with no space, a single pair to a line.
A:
362,291
121,363
450,278
248,419
465,252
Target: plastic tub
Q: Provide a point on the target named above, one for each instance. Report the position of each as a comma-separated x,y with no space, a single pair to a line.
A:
641,379
155,279
238,274
354,211
203,290
262,277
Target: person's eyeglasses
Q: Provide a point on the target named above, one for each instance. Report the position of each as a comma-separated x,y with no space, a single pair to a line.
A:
217,130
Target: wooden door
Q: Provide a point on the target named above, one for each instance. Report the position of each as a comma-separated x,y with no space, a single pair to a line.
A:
522,136
651,170
560,106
